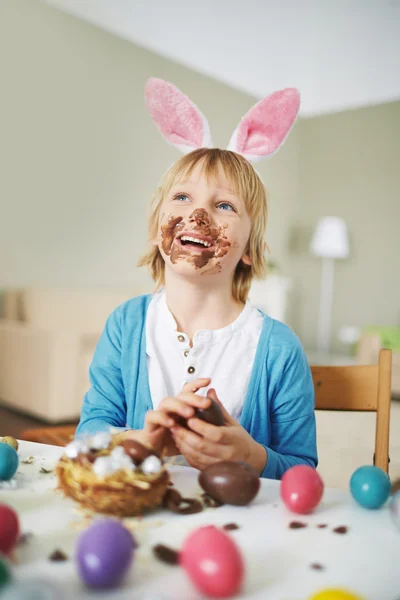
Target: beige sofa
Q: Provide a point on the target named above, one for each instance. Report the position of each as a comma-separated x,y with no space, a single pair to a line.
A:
47,340
368,353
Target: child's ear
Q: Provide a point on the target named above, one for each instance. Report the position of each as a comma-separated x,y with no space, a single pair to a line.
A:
247,260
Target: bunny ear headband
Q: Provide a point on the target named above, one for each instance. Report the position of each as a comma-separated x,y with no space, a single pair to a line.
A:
260,133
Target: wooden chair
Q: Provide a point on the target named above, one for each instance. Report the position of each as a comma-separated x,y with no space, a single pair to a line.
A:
359,388
54,435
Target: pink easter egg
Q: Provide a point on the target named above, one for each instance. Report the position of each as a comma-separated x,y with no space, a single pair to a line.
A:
301,489
213,562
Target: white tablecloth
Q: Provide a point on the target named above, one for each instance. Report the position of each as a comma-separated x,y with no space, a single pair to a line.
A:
278,559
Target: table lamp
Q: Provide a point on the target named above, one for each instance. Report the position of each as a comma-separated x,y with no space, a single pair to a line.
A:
330,242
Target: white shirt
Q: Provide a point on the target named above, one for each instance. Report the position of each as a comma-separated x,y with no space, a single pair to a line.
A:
225,355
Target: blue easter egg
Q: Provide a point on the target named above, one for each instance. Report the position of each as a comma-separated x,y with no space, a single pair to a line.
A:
8,462
370,486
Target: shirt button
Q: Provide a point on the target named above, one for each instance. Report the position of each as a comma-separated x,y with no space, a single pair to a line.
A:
186,353
181,338
191,370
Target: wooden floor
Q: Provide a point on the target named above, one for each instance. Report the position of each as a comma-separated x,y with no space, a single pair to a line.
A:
14,423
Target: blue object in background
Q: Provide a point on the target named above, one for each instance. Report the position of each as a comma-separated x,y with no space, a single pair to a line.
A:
8,461
370,486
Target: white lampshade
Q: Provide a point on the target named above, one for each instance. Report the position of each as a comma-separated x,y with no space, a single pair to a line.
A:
330,238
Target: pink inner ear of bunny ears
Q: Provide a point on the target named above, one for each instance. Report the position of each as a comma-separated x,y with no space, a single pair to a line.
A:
264,128
178,119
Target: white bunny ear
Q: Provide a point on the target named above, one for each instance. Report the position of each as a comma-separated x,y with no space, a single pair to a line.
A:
178,119
265,127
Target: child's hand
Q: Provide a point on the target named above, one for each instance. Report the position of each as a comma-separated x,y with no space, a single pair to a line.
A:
206,444
169,409
158,423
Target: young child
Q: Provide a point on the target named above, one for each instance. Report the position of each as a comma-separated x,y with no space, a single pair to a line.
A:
198,337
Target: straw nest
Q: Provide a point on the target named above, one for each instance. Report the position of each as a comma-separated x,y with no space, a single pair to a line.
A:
125,493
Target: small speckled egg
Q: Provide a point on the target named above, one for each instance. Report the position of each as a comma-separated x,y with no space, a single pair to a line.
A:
301,489
100,440
335,594
5,573
9,529
8,439
395,509
370,486
213,562
151,465
104,553
32,590
8,462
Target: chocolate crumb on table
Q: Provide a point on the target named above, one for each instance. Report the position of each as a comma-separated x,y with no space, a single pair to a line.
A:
174,502
166,554
297,525
230,527
317,567
211,502
189,506
58,556
342,529
43,470
322,525
24,538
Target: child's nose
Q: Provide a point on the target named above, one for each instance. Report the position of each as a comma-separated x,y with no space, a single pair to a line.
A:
200,216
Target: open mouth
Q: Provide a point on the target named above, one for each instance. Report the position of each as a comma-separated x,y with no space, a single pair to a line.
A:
195,243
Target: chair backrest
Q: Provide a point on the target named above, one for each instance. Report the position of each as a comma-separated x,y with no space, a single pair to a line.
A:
359,388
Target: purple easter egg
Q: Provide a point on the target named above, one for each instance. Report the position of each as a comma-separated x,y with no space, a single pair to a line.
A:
104,553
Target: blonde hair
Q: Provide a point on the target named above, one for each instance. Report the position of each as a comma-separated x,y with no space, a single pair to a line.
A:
245,183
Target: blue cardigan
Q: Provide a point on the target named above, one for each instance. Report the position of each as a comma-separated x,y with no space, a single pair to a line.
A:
278,411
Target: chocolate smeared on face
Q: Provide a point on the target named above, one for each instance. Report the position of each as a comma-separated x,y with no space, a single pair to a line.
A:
169,231
212,243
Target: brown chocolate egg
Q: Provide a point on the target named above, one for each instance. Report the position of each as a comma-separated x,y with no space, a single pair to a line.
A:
230,482
136,451
213,414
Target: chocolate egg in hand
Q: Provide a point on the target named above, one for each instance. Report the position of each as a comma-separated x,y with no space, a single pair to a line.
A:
213,414
230,482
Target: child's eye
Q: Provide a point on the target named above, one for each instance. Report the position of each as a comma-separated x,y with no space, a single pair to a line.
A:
182,197
226,206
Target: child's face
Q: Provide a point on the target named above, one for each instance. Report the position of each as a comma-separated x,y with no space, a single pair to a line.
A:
204,227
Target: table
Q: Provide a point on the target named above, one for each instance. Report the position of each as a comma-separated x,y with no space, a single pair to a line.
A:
278,559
